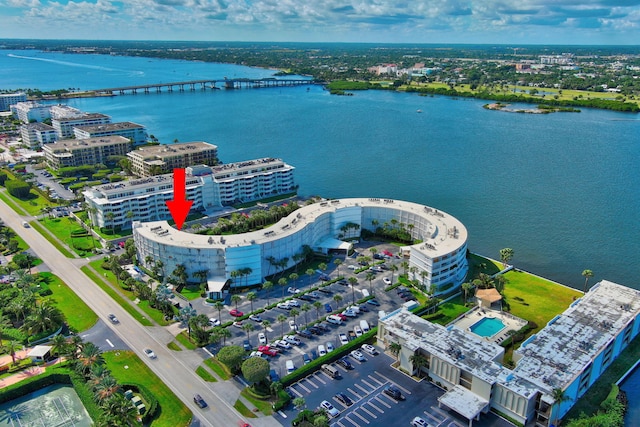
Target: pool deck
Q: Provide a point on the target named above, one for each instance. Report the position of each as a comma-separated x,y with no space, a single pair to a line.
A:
473,316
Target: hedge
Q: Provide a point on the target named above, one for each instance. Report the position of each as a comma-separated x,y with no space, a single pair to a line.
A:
149,398
336,354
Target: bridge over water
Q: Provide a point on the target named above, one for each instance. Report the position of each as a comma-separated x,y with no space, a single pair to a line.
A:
213,84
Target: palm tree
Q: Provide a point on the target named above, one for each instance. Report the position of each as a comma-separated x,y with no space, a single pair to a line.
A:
558,395
60,345
267,286
337,299
317,305
305,308
236,299
247,327
91,355
282,282
353,281
310,272
393,268
294,313
587,275
251,296
370,276
106,388
121,409
76,344
294,277
265,325
281,318
299,403
373,251
405,266
322,266
466,287
418,361
219,306
44,317
506,254
12,348
395,348
223,333
338,263
5,323
109,217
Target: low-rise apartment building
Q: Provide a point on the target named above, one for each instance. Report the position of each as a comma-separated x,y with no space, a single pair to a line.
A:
64,126
569,354
135,132
160,159
37,134
79,152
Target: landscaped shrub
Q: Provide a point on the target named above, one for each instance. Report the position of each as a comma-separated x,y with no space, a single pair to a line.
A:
149,398
18,188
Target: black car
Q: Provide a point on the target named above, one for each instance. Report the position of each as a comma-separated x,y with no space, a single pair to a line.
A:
198,400
344,399
315,330
304,333
378,256
113,318
305,298
343,283
246,345
322,327
325,291
393,392
364,308
344,363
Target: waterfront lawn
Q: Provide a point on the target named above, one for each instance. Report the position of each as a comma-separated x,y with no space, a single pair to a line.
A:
173,413
78,315
479,264
536,299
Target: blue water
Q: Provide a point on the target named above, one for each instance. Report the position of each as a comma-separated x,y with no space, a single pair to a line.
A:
631,386
561,189
487,327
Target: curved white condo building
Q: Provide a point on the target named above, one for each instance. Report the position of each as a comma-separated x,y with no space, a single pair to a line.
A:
439,259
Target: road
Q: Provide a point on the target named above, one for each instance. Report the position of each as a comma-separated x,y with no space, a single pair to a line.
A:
174,372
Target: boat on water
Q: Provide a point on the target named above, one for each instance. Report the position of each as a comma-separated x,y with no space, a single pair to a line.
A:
418,111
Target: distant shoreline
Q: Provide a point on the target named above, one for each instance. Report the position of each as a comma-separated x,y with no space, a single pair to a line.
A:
540,109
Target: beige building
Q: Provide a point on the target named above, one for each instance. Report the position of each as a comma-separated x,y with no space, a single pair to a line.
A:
64,125
135,132
161,159
78,152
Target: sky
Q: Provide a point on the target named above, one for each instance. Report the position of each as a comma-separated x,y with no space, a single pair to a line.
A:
585,22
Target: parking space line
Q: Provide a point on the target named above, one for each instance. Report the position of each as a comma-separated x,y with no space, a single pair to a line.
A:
375,407
303,387
318,375
366,392
361,417
354,392
295,391
369,384
382,402
308,379
368,411
351,421
402,388
371,377
440,412
382,376
390,399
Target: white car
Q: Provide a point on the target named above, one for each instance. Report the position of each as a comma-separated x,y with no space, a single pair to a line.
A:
238,324
419,422
357,355
284,305
262,338
292,325
293,303
283,344
358,331
258,354
150,354
321,351
343,339
352,267
293,290
331,410
386,281
214,322
349,313
256,318
330,347
292,340
368,348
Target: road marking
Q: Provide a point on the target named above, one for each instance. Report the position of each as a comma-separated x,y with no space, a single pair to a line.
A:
295,391
391,399
317,377
312,383
366,392
369,384
303,387
382,402
354,392
109,342
401,388
368,412
379,383
361,417
351,421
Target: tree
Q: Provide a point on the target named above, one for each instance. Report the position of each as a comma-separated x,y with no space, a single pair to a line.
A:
265,325
317,305
310,272
179,276
185,315
60,345
587,274
255,370
89,356
322,267
299,403
338,263
12,349
267,286
231,356
283,282
44,317
5,323
337,299
106,387
218,305
466,287
395,348
247,327
370,276
558,395
121,410
506,254
251,296
294,277
305,308
236,299
223,333
281,318
418,361
294,312
353,282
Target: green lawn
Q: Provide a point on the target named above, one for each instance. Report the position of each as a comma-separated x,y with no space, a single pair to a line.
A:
173,346
450,310
125,366
190,292
33,205
205,375
154,314
62,228
264,406
51,239
218,368
184,340
536,299
78,314
242,408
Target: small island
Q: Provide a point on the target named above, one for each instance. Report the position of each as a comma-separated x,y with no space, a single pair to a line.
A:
540,109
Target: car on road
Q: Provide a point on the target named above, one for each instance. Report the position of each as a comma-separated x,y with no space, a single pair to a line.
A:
357,355
256,318
330,347
293,290
393,392
373,302
236,313
25,224
344,363
246,345
284,305
292,340
198,400
305,333
331,410
112,317
386,281
262,338
306,358
343,339
214,322
328,308
344,399
150,354
368,348
238,324
419,422
321,350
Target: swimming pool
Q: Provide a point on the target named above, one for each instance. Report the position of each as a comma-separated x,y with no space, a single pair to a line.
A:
487,327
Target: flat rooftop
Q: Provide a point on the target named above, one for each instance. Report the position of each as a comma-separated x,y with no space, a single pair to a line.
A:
70,144
109,127
84,116
170,150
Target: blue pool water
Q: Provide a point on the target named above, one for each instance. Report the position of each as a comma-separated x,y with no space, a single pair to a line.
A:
487,327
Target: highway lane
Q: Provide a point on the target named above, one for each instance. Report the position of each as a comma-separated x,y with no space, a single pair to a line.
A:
182,380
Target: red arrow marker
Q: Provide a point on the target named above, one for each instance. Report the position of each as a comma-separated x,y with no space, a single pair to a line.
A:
179,207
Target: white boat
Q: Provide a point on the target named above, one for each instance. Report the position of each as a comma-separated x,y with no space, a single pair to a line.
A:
418,111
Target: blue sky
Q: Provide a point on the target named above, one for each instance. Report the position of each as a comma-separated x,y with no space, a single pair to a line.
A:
377,21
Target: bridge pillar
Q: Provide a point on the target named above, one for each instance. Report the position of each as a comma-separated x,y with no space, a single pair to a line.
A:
158,89
181,88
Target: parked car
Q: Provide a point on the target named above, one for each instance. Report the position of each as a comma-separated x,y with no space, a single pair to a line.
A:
350,313
325,291
357,355
236,313
419,422
373,302
265,349
306,358
368,348
305,298
323,327
150,354
357,330
305,333
112,317
256,318
331,410
352,267
292,325
257,353
314,330
238,324
325,277
343,339
386,281
314,294
273,376
364,308
344,399
330,347
293,290
343,282
321,350
344,363
293,303
292,340
262,338
284,305
393,391
214,322
283,344
328,308
246,345
342,316
198,400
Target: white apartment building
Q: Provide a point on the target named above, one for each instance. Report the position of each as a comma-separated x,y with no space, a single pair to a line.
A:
64,125
208,187
319,225
135,132
9,99
569,354
36,134
62,111
79,152
28,111
159,159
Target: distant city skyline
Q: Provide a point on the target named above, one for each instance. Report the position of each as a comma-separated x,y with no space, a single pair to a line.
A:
581,22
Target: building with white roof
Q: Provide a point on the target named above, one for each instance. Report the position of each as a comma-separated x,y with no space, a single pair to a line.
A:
79,152
159,159
568,354
32,111
64,125
9,99
36,134
319,226
135,132
208,187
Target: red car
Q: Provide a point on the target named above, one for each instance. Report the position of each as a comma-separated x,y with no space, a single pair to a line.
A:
342,316
265,349
236,313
